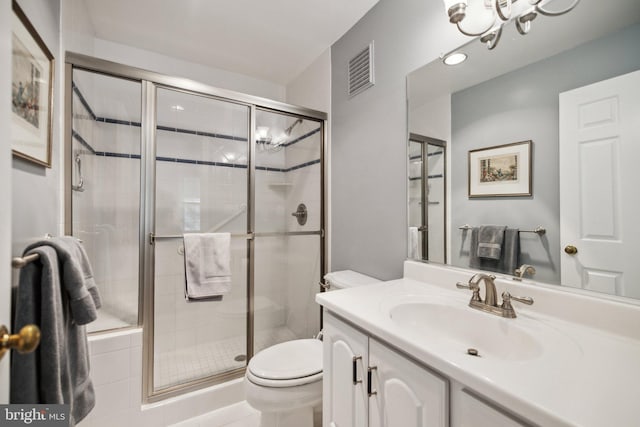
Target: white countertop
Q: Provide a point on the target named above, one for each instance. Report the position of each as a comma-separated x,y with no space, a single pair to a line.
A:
584,375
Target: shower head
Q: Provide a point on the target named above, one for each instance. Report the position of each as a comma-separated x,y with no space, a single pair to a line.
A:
288,130
275,141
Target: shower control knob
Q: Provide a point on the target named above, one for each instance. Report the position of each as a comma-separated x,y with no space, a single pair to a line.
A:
301,214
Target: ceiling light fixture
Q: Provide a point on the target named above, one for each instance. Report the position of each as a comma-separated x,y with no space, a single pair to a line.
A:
177,107
454,58
485,18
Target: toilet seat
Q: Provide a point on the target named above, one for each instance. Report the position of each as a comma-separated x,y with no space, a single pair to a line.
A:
288,364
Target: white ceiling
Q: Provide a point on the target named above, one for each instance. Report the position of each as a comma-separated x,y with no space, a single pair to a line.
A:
272,40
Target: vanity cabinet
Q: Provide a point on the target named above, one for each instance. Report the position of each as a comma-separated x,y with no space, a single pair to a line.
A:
345,356
368,384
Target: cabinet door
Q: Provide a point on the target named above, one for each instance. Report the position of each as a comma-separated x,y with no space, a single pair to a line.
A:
406,394
470,411
344,390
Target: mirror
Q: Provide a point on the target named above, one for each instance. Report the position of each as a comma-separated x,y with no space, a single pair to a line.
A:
544,88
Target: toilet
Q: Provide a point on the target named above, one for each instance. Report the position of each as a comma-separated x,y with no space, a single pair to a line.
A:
284,381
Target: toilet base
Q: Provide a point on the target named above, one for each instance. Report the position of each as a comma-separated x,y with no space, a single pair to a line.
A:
302,417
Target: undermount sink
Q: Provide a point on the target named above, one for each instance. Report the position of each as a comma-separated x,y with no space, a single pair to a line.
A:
465,328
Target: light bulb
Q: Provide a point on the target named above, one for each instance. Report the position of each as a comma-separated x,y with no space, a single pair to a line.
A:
479,18
454,58
455,9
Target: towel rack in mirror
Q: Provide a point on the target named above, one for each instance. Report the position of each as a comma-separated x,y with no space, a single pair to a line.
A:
539,230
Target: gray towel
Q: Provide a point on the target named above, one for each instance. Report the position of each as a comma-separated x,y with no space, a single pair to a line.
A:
510,254
52,293
490,238
77,277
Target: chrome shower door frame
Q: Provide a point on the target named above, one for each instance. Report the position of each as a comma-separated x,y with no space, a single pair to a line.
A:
150,82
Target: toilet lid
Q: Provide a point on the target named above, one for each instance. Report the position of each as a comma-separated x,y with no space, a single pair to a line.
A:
288,360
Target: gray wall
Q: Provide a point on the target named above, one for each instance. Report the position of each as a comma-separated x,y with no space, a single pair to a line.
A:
5,185
523,105
369,133
35,200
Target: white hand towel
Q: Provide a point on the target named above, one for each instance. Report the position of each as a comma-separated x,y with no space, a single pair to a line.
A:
207,259
415,247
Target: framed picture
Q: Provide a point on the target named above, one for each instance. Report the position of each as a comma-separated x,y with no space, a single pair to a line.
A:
500,171
31,92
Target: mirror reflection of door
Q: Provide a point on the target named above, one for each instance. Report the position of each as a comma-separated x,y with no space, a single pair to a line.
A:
599,152
427,201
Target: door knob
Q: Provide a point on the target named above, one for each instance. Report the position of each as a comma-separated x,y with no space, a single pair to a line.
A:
25,341
571,250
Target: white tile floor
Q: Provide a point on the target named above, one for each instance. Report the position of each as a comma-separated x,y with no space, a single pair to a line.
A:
190,363
238,415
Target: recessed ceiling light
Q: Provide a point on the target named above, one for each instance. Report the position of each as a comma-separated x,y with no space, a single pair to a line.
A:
455,58
177,107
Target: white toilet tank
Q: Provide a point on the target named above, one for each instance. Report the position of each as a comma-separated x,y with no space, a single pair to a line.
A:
347,279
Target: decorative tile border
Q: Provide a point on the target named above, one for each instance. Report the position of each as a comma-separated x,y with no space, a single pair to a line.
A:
85,144
82,141
86,105
83,101
93,116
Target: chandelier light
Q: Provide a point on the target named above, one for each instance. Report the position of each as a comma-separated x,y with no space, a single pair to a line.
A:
485,18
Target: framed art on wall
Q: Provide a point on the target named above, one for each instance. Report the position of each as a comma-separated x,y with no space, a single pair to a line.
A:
501,170
31,92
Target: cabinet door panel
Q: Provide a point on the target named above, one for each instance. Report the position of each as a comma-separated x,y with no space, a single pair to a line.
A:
407,394
344,403
470,411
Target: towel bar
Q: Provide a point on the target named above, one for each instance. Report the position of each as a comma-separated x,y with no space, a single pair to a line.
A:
153,237
19,262
539,230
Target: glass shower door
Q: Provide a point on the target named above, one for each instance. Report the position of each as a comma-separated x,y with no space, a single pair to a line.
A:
105,201
288,218
201,187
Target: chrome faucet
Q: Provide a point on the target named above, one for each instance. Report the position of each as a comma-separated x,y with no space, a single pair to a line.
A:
490,303
522,270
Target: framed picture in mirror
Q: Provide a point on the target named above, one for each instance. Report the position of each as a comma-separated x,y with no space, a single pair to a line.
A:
500,171
31,92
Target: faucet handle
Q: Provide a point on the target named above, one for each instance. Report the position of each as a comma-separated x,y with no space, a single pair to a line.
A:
462,285
507,308
471,286
507,297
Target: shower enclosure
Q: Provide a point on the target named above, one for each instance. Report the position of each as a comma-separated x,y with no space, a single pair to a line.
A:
427,198
153,157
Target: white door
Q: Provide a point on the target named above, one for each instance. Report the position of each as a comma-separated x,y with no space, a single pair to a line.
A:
404,393
5,186
599,194
344,396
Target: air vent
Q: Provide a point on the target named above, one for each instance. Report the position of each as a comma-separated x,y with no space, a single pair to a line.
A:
361,71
